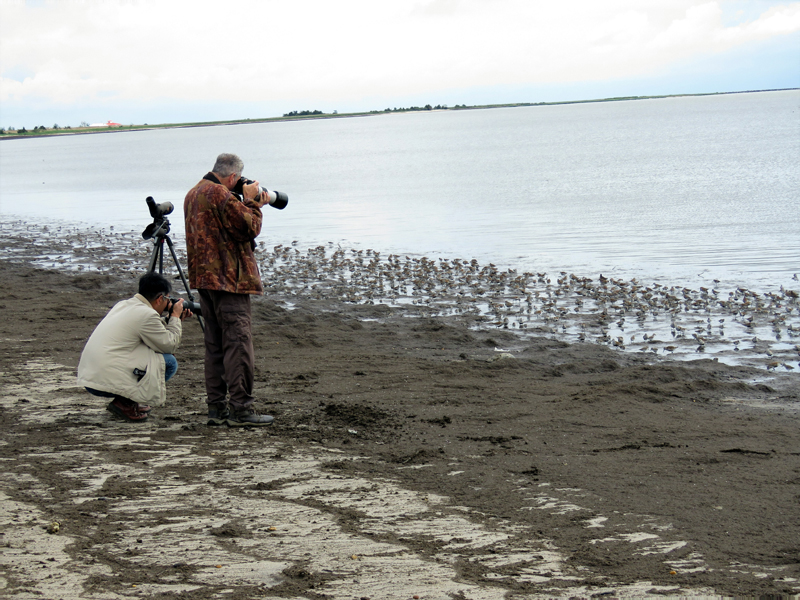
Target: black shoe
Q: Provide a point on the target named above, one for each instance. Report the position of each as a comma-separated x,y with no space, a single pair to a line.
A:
218,414
248,417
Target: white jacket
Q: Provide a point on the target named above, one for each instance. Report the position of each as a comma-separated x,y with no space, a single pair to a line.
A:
131,336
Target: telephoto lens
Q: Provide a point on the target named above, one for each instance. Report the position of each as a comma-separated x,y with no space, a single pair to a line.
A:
192,306
277,200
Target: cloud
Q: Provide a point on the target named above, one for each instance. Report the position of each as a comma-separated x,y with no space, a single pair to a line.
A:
143,50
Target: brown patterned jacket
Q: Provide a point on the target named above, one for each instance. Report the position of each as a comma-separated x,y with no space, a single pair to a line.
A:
220,234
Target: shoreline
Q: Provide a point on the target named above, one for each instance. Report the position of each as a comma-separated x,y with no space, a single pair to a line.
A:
662,321
148,127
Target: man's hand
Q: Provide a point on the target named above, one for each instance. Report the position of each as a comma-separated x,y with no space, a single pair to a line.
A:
177,309
253,192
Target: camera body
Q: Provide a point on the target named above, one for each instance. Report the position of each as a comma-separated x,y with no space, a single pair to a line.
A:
187,304
277,200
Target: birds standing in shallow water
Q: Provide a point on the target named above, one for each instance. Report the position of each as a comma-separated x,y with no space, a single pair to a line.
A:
674,319
606,310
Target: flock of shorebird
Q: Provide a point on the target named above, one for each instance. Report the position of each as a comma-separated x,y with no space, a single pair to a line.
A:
736,325
629,315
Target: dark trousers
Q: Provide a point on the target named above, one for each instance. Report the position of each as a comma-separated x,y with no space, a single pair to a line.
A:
230,360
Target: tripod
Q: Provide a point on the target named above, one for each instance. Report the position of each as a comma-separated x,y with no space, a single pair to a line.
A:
158,230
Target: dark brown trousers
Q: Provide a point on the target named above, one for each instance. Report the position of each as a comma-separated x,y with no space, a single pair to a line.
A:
229,362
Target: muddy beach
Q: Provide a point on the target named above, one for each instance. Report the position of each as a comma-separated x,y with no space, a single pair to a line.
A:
411,456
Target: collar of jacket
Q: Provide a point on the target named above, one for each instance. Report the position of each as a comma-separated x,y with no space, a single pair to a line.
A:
213,179
144,300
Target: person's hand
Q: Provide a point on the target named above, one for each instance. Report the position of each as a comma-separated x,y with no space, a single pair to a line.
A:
186,314
252,191
177,309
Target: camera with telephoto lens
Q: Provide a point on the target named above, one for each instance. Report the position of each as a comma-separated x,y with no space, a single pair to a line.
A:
277,200
187,304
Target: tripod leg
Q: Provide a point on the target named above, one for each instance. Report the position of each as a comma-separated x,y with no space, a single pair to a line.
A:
180,271
183,277
157,255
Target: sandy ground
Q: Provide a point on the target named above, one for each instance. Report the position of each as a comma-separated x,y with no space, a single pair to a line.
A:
410,457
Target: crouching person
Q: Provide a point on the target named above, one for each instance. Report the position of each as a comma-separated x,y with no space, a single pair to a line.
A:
129,356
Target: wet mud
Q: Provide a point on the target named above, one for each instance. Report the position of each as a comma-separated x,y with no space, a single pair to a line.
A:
412,455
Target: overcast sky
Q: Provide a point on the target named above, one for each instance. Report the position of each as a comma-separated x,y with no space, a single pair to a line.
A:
163,61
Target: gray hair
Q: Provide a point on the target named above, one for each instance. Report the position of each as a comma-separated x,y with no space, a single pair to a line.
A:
227,164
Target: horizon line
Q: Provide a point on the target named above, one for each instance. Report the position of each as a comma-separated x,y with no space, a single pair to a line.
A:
81,130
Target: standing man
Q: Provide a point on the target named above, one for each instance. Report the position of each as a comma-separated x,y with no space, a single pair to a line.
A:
220,241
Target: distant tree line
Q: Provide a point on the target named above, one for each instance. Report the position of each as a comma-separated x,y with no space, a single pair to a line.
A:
37,129
303,113
42,129
412,108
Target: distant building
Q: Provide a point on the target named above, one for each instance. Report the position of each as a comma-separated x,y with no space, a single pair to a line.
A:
108,124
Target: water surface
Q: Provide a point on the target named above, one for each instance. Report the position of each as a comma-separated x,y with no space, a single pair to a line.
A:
676,189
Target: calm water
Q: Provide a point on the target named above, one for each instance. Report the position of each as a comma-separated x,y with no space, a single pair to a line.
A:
678,189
